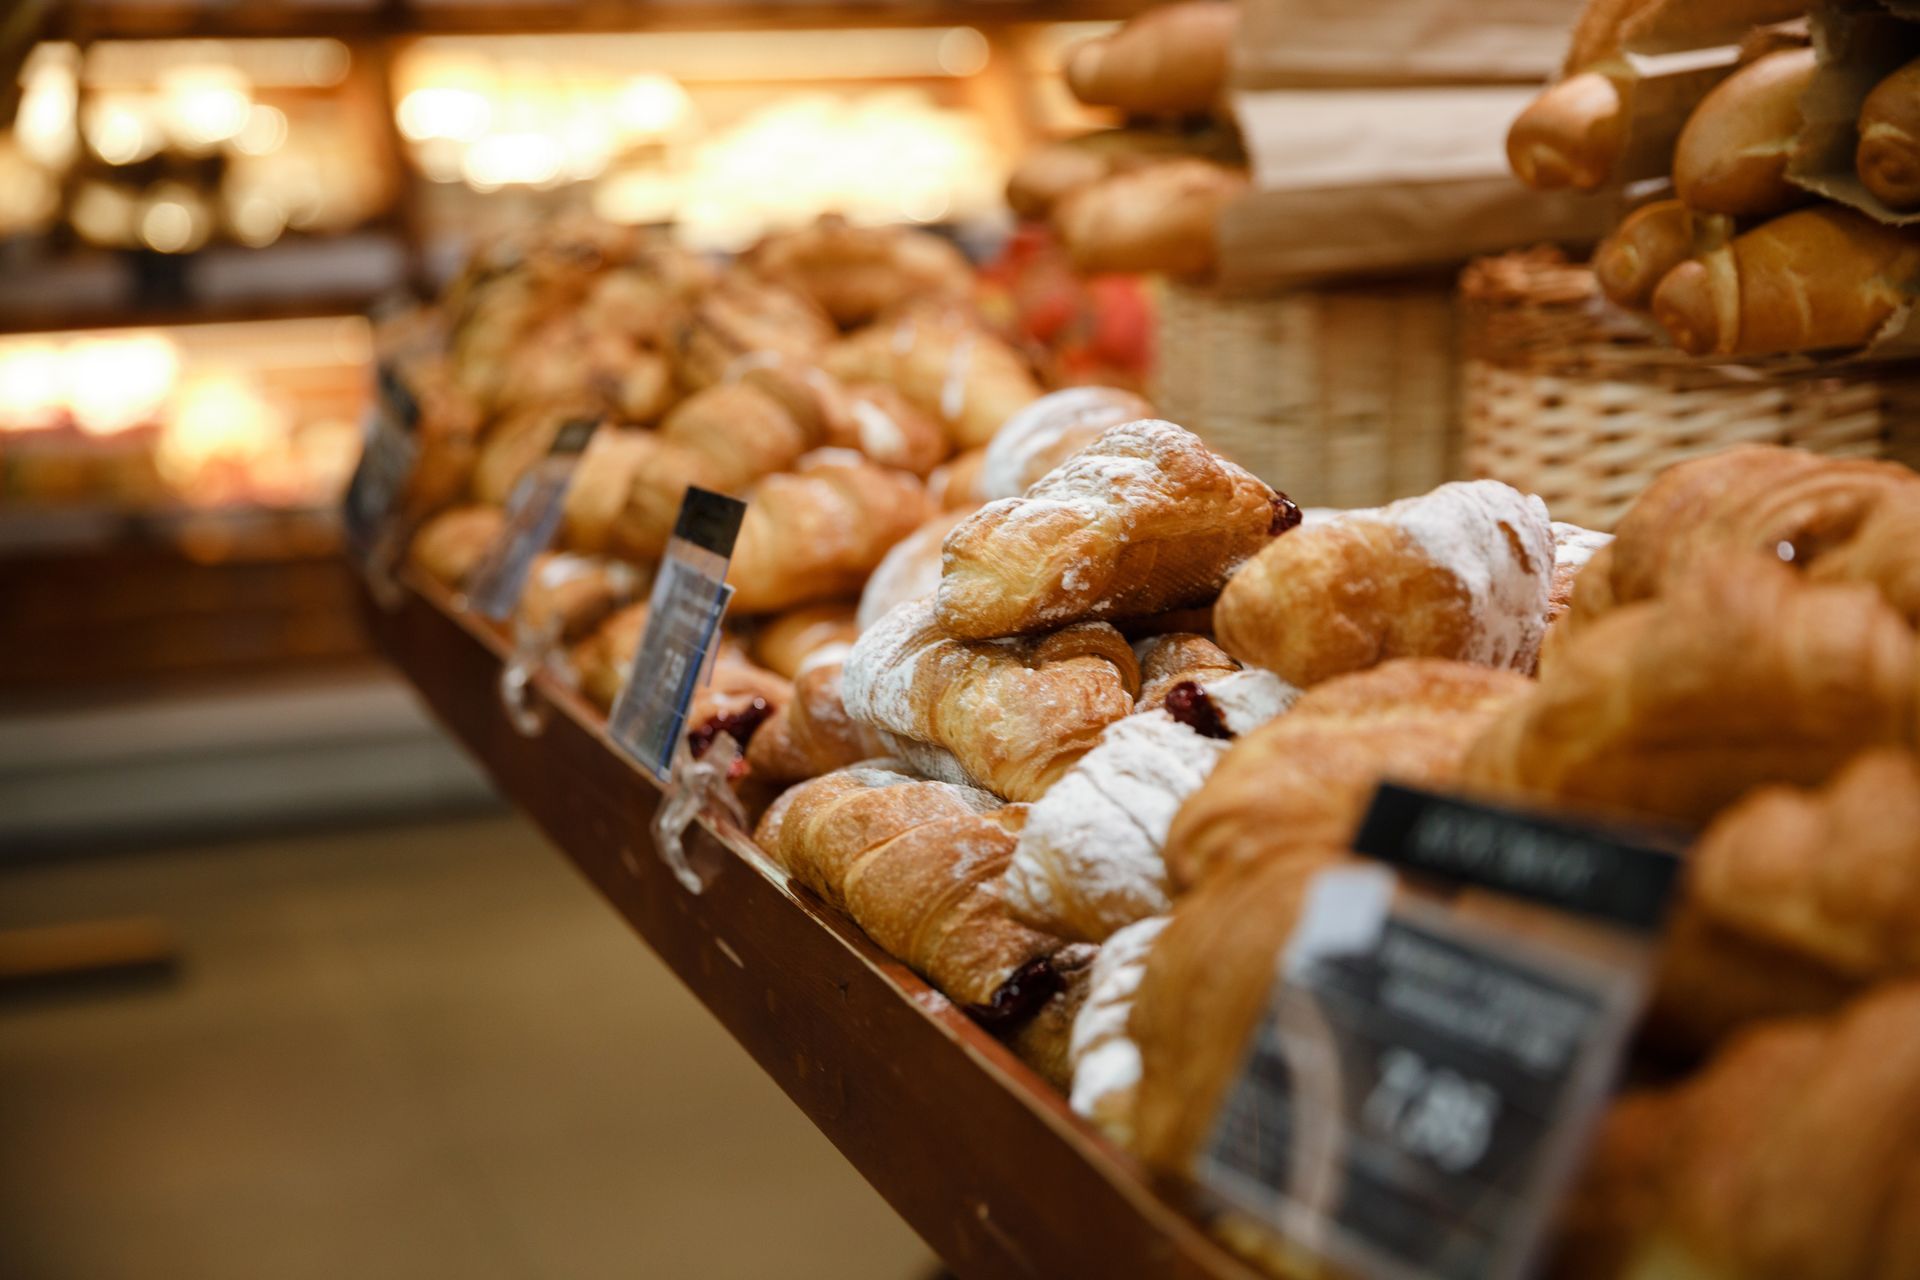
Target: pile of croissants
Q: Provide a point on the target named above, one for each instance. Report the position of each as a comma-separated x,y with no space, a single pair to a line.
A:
1067,711
1145,196
1738,259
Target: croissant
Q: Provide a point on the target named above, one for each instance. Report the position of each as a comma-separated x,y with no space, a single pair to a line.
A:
449,437
601,481
784,643
813,734
816,533
917,864
1888,155
1810,280
1010,717
945,364
1304,781
1742,674
740,431
1105,1060
1793,1155
1834,520
1463,572
451,545
1175,658
856,273
568,596
909,571
1171,58
743,316
602,662
1049,431
1045,1041
513,445
955,484
1143,520
662,473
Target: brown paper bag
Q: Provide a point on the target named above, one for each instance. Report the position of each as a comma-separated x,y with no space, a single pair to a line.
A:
1306,43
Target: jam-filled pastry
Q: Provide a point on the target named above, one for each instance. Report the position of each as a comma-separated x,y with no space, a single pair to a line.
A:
917,864
813,734
815,533
785,642
1794,1154
568,596
451,545
1831,519
1045,1041
1304,781
1177,657
946,363
1090,859
1106,1061
1742,674
909,571
742,316
1009,716
1462,572
1143,520
1049,431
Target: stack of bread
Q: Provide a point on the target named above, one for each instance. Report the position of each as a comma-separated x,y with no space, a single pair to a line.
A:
1146,196
1744,253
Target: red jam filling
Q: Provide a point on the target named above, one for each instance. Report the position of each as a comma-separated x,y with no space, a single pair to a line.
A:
1188,703
1286,515
739,725
1019,997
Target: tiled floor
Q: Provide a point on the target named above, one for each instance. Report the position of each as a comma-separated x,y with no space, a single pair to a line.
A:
423,1051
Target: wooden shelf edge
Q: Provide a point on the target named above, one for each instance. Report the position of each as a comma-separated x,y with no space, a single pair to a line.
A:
973,1150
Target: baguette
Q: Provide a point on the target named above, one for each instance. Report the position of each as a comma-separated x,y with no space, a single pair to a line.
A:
1650,242
1172,58
1160,218
1732,154
1888,156
1571,135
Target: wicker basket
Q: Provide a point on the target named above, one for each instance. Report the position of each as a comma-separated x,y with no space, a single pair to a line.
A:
1582,403
1341,397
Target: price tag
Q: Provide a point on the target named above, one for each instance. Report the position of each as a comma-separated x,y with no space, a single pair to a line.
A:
533,516
389,449
689,598
1420,1085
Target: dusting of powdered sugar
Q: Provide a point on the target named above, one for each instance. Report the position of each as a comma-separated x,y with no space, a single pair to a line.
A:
829,456
830,654
1106,1061
1089,857
880,436
1038,429
742,365
953,392
1470,528
1247,699
1574,545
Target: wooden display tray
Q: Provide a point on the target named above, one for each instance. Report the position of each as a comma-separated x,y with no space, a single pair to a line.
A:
978,1154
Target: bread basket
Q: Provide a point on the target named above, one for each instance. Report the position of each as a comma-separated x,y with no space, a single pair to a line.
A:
1340,396
1569,397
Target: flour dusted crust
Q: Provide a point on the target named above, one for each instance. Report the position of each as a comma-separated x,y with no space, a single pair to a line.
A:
1049,431
1144,520
1573,548
1012,715
1462,572
1106,1061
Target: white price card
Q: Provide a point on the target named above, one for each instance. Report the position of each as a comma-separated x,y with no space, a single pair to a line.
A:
389,448
689,599
1419,1088
533,516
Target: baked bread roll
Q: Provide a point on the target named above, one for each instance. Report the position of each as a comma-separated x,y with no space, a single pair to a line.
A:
569,596
515,443
945,364
1159,218
1463,572
815,533
1810,280
1048,173
917,864
813,734
1795,1154
1732,155
1106,1061
1049,431
740,432
1171,58
784,643
1608,28
1571,135
955,485
1741,674
1305,780
448,433
1649,242
1008,716
909,571
1175,658
601,662
452,544
1143,520
857,273
1573,548
1045,1041
1206,984
598,492
1888,155
743,315
1837,520
890,430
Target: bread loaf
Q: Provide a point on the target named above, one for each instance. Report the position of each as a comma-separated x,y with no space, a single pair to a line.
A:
1171,58
1571,135
1732,155
1160,218
1888,156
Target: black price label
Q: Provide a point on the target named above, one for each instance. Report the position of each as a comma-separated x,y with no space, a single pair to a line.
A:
1623,876
1417,1089
689,599
533,511
389,449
